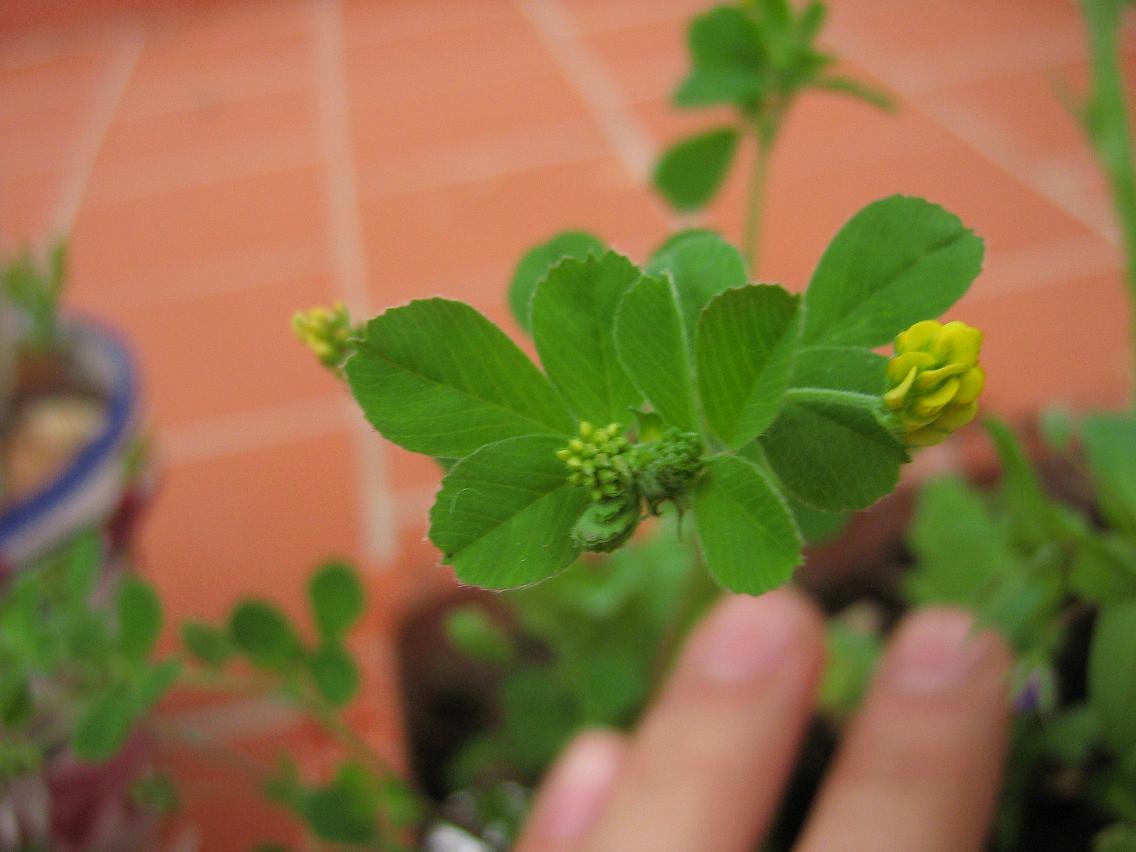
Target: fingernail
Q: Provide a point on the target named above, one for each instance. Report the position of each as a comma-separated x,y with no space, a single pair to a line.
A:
747,637
935,652
581,783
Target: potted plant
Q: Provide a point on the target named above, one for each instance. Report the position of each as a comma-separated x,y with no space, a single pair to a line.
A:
73,457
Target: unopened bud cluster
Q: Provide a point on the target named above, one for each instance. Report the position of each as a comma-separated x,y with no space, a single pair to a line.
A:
619,476
666,468
325,331
599,459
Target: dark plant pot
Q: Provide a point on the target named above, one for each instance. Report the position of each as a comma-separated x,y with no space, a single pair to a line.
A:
101,487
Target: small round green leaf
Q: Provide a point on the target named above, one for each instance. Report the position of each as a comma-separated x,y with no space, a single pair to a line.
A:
831,451
701,264
691,171
334,673
336,595
139,617
205,642
105,724
538,260
264,634
745,529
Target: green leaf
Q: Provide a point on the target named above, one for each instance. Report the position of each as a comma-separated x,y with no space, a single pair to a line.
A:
816,527
154,683
830,450
438,378
1103,569
851,660
702,265
1120,837
479,636
536,263
104,725
653,348
1110,448
897,261
1112,675
205,642
334,673
691,171
1028,508
139,617
745,529
725,48
83,563
338,814
539,716
744,347
573,314
847,86
959,545
503,515
844,368
264,633
336,596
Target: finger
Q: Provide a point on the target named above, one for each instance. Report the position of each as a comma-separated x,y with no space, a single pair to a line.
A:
707,767
569,800
921,764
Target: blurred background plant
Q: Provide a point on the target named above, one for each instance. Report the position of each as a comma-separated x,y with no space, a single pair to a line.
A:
756,56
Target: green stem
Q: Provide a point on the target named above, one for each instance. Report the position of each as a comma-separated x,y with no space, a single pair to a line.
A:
1107,125
765,132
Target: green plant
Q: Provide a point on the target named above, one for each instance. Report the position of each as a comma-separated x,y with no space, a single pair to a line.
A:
679,383
756,56
34,287
76,669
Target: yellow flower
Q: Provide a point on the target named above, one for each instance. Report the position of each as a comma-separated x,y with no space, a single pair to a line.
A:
934,380
326,331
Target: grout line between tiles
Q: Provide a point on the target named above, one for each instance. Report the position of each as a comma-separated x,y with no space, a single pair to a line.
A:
345,233
106,101
245,432
979,136
594,84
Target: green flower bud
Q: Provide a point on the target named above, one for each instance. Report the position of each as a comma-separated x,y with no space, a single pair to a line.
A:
934,380
325,331
665,469
599,460
608,523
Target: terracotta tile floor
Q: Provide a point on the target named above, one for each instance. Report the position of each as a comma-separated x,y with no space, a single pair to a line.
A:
221,164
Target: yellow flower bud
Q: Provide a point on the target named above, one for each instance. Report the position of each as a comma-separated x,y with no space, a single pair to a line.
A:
326,332
934,380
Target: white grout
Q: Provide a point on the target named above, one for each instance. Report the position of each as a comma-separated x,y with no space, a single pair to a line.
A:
1047,263
250,431
345,233
106,101
595,86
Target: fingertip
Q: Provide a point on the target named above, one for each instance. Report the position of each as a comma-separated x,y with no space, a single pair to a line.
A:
573,793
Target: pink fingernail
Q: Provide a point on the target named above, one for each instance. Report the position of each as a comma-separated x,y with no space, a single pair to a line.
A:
747,637
581,783
936,651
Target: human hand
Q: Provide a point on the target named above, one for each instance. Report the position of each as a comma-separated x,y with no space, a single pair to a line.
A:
919,767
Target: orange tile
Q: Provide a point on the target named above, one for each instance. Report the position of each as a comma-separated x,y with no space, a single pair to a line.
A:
446,60
430,127
227,353
367,24
648,62
26,205
927,25
41,141
63,78
804,215
465,240
251,524
225,140
595,15
200,223
1065,343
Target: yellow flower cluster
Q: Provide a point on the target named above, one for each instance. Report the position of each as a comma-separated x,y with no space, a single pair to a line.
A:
326,331
934,380
599,460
